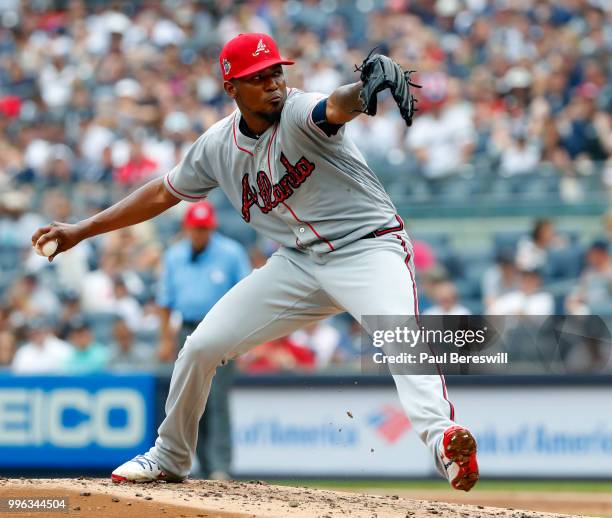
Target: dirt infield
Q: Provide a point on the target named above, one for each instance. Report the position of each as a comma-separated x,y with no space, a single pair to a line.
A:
564,502
99,497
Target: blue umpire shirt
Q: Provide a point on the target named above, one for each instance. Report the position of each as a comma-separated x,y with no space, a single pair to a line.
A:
193,285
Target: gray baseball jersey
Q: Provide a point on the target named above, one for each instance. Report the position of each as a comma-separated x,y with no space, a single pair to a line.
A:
295,184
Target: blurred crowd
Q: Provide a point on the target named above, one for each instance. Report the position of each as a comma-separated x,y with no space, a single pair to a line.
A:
95,307
92,90
97,97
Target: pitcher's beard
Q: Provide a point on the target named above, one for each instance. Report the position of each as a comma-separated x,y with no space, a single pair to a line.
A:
271,117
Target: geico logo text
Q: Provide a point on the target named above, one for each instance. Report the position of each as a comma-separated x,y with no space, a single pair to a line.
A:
36,417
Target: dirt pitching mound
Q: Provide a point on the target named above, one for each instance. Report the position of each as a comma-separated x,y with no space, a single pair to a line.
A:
90,497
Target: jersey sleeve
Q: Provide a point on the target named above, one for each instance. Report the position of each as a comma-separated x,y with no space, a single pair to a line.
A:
307,111
192,179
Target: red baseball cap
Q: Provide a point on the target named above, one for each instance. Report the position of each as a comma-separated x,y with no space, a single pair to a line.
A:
249,53
10,106
200,215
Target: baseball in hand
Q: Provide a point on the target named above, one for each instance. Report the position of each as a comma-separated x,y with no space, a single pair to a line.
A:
48,248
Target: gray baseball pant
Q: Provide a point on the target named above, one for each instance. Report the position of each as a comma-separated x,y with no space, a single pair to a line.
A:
367,277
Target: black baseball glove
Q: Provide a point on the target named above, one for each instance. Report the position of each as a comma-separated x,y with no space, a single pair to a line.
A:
379,72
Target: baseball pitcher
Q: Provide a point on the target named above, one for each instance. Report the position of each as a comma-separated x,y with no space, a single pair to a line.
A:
285,163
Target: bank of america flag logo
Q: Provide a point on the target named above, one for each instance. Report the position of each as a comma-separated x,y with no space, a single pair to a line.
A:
390,422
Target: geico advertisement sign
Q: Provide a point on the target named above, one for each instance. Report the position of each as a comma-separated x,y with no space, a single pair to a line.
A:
71,417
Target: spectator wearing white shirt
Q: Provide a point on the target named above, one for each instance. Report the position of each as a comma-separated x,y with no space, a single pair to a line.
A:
126,353
499,279
97,290
528,300
593,294
126,306
443,137
367,131
29,298
446,301
320,337
17,219
532,252
520,156
56,80
44,353
71,267
322,77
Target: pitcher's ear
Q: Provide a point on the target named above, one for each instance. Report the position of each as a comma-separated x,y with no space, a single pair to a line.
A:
230,88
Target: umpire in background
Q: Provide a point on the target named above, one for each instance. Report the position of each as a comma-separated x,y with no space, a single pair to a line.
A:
197,272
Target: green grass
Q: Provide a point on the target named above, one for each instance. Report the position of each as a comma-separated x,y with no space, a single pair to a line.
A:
484,485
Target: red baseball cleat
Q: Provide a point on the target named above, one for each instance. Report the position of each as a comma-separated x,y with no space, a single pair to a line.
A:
458,454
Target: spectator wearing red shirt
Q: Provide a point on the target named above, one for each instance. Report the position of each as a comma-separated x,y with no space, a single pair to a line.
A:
281,355
137,169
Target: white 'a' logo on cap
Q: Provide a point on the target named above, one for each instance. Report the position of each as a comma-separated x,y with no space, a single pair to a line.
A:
261,47
201,212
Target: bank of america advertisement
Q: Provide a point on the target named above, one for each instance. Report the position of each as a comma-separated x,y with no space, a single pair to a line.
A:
324,431
522,432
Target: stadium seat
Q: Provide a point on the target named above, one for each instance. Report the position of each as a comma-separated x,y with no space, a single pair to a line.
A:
468,287
565,263
102,326
474,304
439,241
507,240
473,267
